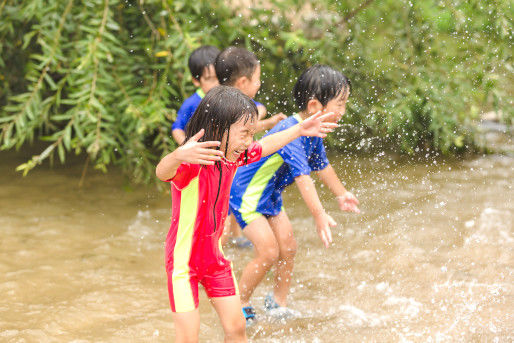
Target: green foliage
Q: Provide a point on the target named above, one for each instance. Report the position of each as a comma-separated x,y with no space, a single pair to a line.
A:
106,77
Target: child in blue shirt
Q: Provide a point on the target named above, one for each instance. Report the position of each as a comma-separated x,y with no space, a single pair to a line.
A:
240,68
244,69
256,201
201,65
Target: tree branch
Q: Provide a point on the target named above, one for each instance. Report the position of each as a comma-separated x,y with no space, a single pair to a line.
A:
44,71
95,75
354,12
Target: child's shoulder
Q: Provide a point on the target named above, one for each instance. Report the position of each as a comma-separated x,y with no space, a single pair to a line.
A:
258,103
191,103
194,98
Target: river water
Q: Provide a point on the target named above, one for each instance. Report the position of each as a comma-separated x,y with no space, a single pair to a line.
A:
430,259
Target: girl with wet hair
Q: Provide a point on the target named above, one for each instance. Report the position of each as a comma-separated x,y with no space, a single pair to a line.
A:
219,139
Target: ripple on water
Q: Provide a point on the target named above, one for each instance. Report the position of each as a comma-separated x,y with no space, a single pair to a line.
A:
352,316
147,228
494,227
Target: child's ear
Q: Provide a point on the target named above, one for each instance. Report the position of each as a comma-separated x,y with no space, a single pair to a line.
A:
241,82
196,82
314,106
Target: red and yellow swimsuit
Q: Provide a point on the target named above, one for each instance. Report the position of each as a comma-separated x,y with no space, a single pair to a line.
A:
200,197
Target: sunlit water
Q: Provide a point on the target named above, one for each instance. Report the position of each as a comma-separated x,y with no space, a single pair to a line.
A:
430,259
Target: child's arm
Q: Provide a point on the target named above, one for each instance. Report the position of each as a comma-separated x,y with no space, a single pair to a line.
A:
262,111
191,152
184,114
266,124
347,201
179,136
315,125
322,219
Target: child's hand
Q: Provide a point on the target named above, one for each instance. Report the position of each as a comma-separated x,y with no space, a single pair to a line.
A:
199,153
348,202
318,125
277,118
323,224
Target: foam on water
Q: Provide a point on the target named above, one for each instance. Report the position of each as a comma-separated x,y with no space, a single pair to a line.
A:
146,230
494,227
352,316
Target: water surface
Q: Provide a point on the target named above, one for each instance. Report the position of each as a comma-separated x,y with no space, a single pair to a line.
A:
430,259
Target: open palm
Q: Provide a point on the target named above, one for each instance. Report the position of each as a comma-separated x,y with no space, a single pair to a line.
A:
318,125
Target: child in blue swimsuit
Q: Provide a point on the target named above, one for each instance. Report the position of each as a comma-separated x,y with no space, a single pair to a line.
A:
256,201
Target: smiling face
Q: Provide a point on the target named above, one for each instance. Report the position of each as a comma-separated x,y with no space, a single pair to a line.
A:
336,105
240,138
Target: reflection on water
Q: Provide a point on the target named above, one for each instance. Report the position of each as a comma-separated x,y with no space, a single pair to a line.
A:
430,259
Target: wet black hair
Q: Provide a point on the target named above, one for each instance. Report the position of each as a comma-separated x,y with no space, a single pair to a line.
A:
233,63
221,107
319,82
201,58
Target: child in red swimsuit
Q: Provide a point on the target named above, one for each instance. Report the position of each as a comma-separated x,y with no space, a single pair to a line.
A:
219,138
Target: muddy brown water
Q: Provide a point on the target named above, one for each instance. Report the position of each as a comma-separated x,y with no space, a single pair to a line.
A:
430,259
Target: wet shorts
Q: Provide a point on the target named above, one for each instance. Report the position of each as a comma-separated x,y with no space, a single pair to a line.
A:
183,286
245,218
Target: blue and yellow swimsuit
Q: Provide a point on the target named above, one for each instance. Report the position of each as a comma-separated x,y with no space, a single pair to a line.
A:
257,187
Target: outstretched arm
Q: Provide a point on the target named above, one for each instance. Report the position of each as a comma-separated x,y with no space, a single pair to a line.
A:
347,201
322,219
316,126
191,152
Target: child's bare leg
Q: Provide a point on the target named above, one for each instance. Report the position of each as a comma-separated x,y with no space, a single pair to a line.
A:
231,317
235,230
187,326
283,231
266,254
227,230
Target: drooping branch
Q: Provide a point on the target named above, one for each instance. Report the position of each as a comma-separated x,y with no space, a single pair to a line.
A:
354,12
95,75
44,71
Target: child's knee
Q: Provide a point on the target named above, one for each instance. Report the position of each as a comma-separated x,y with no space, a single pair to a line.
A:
236,329
288,248
270,253
186,337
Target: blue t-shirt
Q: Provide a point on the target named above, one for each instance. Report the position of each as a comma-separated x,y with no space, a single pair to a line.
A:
188,108
258,186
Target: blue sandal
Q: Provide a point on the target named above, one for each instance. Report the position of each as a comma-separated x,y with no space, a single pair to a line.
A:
278,312
249,313
269,302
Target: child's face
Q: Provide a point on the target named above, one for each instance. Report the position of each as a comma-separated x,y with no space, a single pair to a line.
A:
208,80
250,86
241,136
338,105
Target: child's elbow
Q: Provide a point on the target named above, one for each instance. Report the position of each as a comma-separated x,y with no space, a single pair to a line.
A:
160,174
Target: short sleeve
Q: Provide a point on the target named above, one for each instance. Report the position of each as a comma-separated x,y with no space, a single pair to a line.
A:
294,155
252,154
185,173
183,115
318,159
